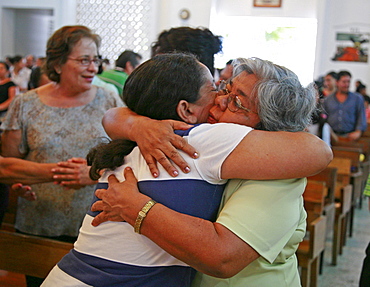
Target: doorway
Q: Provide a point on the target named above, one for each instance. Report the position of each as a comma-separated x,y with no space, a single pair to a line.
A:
289,42
25,31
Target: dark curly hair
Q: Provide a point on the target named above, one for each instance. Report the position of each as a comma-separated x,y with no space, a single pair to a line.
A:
60,45
199,41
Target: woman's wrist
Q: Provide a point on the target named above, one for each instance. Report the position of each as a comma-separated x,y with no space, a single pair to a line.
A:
130,205
138,126
142,214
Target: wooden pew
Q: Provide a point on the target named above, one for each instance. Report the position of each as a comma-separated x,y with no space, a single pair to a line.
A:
30,255
27,254
310,249
9,217
356,178
329,176
342,217
314,199
343,203
366,133
364,144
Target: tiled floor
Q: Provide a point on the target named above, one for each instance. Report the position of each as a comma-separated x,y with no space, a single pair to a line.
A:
347,271
345,274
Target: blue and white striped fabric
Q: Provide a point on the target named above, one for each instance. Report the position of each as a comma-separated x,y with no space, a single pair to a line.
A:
113,255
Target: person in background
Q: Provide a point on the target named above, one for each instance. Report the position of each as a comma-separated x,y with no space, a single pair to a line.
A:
13,171
330,83
30,61
345,110
20,173
320,127
361,89
106,64
38,77
125,64
99,82
7,60
8,89
20,74
358,83
221,249
225,73
198,41
56,122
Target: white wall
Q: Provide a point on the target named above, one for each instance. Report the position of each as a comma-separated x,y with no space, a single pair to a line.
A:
332,15
201,11
168,13
289,8
341,16
11,19
32,30
7,32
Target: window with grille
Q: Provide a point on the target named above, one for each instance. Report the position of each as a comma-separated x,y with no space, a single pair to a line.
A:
122,25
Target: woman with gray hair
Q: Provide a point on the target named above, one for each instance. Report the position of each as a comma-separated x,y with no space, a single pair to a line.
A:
278,98
260,222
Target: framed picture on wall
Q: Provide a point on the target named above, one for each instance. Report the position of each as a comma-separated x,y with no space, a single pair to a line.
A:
352,47
267,3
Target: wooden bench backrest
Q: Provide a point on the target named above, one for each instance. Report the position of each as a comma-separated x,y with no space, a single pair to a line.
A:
363,144
352,153
366,133
10,213
329,176
345,198
343,166
317,230
366,146
314,199
30,255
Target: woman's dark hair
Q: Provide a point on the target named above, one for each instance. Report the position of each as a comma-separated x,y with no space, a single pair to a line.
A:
154,90
5,65
60,45
360,88
15,59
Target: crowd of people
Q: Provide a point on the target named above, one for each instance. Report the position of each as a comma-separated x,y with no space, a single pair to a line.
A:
146,206
341,113
19,74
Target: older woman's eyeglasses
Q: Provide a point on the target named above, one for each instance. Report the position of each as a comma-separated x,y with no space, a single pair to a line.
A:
86,61
233,102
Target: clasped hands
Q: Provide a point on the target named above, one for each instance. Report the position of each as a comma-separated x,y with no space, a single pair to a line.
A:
73,173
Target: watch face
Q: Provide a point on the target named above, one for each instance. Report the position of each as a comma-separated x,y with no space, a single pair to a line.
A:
184,14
